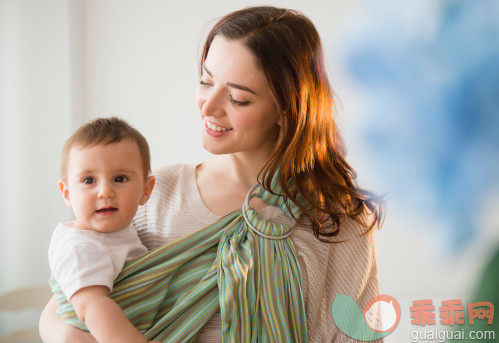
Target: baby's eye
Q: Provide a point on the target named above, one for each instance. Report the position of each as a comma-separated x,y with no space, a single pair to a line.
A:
88,180
120,179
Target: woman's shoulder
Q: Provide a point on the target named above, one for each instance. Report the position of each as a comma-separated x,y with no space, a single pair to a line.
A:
171,177
157,219
351,231
349,228
172,171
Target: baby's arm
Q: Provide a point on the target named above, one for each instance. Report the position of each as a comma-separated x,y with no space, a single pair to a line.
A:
104,318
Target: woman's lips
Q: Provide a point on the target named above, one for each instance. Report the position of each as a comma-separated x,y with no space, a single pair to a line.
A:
215,133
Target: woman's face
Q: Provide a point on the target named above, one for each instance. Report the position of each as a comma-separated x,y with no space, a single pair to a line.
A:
236,105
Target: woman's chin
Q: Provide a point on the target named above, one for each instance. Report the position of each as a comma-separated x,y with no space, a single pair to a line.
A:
214,146
215,150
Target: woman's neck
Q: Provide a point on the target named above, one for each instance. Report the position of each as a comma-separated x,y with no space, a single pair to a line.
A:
242,168
224,181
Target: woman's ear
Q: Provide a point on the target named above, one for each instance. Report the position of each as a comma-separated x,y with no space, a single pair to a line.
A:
148,187
281,120
63,187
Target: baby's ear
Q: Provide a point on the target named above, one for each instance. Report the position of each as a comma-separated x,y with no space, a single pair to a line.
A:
63,187
148,187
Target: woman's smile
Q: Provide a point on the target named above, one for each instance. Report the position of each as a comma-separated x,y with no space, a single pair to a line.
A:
215,130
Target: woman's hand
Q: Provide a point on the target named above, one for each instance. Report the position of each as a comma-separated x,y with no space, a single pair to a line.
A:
52,330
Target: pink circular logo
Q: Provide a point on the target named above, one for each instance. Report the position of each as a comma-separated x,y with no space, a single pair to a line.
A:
382,313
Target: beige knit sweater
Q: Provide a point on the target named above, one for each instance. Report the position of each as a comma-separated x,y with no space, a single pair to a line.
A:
175,209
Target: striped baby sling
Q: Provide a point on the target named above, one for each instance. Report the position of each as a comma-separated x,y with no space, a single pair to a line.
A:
243,265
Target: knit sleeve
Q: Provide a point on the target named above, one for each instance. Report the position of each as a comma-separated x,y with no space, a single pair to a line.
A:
348,267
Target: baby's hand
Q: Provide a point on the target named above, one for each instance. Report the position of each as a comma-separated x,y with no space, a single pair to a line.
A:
154,342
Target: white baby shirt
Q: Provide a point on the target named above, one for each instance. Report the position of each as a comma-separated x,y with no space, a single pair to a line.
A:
82,258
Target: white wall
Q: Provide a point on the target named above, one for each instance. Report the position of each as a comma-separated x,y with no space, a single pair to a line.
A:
35,120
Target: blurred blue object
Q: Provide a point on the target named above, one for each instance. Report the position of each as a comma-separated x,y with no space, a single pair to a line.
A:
434,102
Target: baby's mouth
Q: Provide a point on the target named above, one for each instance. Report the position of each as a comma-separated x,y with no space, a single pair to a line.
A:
107,210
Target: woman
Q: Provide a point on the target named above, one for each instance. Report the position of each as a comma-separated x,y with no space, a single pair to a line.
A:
267,112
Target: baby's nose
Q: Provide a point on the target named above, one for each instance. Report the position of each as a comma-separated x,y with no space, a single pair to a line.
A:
106,191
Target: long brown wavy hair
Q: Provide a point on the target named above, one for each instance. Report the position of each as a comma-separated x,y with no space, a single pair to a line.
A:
309,153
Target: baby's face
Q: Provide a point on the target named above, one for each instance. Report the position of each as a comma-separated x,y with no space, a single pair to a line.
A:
105,185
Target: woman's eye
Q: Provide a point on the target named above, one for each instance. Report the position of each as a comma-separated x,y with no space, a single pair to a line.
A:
239,103
203,83
121,179
88,180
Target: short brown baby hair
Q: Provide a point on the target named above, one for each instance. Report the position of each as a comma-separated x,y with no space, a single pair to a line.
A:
106,131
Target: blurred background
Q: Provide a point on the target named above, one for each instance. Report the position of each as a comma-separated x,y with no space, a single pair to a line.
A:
417,86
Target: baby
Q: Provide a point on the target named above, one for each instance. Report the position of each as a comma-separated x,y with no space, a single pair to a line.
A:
105,168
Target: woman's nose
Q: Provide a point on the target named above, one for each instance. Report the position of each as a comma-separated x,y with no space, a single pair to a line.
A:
212,104
106,191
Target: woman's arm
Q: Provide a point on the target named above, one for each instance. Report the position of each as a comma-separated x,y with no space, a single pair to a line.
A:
329,269
52,330
353,271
